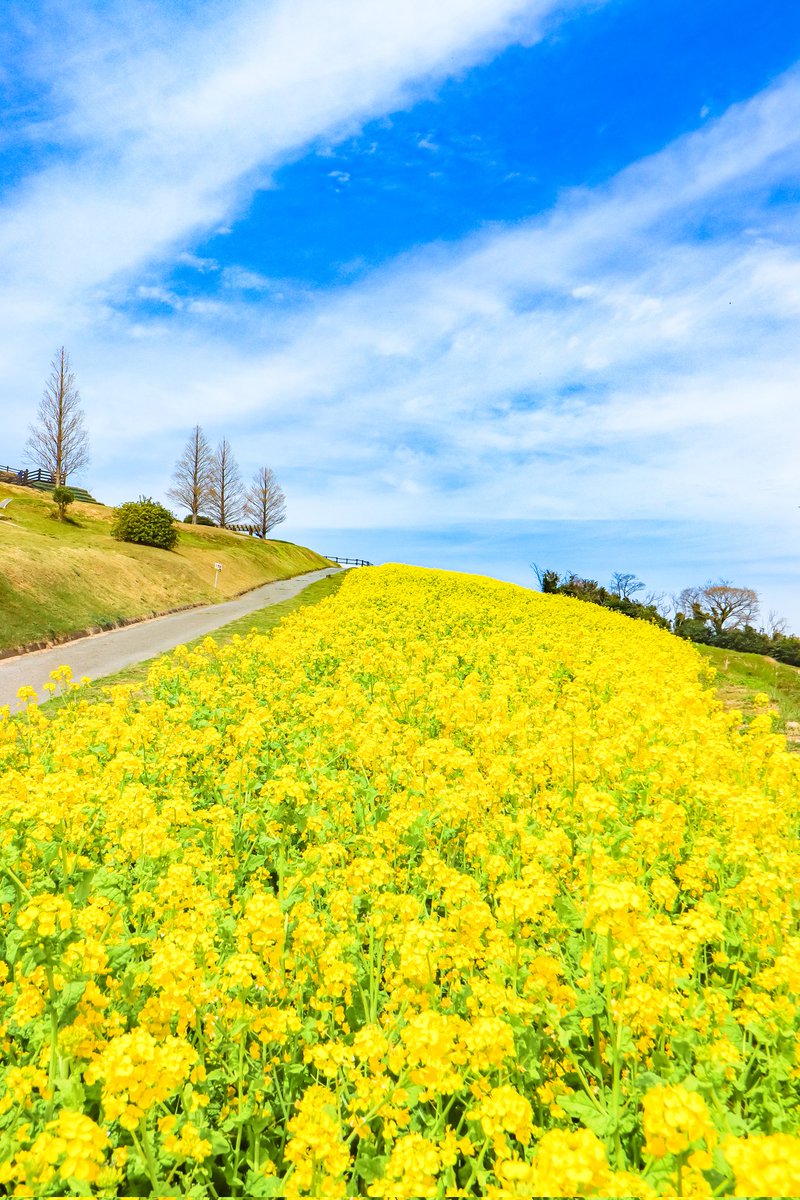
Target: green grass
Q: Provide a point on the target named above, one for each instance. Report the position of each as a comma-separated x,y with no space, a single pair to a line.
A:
741,676
264,620
61,577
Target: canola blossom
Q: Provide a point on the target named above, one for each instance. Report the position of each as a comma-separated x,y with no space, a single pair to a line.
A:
444,888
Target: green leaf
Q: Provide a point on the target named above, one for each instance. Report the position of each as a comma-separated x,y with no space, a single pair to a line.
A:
591,1004
71,993
71,1092
581,1107
219,1144
262,1185
369,1164
118,955
83,888
13,943
683,1048
646,1080
568,912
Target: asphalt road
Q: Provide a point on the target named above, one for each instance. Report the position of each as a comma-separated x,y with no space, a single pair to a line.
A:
105,653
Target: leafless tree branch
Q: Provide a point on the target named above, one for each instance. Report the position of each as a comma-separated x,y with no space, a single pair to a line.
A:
625,585
58,441
265,502
193,474
227,490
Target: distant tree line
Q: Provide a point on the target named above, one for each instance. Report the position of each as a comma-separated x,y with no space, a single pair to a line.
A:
717,614
618,596
722,615
209,485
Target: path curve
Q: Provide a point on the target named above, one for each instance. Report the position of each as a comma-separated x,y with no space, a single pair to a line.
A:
105,653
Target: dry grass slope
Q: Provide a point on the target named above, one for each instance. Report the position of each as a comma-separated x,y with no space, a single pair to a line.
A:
60,577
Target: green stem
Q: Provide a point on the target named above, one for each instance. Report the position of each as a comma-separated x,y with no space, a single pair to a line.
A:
620,1159
598,1061
146,1151
616,1064
475,1167
53,1015
239,1084
15,879
584,1081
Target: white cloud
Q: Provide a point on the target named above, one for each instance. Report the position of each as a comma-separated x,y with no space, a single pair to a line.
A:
160,295
600,361
240,279
203,265
165,118
163,143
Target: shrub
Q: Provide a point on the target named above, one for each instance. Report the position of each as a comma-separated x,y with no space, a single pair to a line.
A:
62,498
786,649
187,520
144,521
594,593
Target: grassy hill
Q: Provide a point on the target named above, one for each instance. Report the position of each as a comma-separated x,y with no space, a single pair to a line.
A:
60,577
740,677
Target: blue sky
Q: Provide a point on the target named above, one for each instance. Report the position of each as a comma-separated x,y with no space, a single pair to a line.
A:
486,282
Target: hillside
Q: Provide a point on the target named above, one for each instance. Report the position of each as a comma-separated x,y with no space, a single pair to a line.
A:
443,887
743,680
57,578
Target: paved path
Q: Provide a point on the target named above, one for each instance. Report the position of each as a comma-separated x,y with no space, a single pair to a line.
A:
105,653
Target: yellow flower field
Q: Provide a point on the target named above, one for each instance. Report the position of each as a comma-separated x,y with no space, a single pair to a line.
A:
445,888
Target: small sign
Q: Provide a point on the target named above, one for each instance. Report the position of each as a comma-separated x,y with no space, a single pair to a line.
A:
217,569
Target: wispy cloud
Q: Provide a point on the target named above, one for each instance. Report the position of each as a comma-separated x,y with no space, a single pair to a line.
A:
633,353
155,123
157,145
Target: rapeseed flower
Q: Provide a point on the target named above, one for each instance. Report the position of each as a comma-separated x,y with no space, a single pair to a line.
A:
764,1164
443,886
674,1119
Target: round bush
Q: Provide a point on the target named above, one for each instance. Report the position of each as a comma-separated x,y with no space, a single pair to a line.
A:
144,521
62,498
187,520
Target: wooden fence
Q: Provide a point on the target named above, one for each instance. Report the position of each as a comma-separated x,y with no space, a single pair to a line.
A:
348,562
253,530
22,475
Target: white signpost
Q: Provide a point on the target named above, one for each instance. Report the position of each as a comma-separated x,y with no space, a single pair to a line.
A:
217,569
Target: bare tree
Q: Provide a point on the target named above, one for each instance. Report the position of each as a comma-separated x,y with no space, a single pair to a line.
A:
689,602
625,586
193,475
776,626
58,441
265,503
227,491
658,601
723,605
730,607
